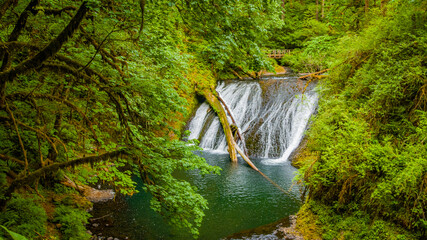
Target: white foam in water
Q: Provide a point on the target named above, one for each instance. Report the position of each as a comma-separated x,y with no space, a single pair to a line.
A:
278,123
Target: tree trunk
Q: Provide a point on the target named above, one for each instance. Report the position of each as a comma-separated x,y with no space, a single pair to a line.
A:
323,9
232,145
315,74
142,6
283,9
317,10
366,6
242,139
217,107
32,177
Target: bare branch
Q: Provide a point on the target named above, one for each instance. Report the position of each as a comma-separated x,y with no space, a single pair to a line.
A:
104,53
19,136
5,157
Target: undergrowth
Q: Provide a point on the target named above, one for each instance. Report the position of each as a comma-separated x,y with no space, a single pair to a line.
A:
368,176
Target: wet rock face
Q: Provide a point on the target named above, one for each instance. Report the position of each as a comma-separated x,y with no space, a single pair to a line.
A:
272,114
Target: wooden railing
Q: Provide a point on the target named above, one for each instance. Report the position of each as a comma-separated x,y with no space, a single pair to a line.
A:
277,53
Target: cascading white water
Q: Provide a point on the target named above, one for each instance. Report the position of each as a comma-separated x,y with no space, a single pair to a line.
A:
272,114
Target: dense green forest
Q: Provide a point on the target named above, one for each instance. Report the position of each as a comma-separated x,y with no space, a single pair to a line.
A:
99,91
365,164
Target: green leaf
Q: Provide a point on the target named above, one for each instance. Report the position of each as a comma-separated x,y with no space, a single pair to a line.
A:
14,235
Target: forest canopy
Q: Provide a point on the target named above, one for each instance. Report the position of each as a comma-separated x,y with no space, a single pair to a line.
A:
86,85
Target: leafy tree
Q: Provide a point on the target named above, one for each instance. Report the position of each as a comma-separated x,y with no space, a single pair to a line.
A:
106,83
368,140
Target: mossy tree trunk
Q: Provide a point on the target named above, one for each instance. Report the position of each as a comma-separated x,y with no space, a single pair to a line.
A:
217,107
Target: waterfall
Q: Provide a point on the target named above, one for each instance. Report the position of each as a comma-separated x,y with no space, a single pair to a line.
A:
272,114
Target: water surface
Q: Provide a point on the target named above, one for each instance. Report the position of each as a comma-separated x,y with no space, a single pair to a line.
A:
239,199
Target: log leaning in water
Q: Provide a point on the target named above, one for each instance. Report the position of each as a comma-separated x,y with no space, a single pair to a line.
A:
232,145
217,107
242,139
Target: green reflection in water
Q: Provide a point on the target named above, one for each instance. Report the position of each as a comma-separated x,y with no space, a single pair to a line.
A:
239,199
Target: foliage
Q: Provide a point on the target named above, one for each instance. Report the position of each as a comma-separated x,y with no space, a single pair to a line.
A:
175,199
24,216
108,84
316,55
72,222
369,136
357,225
13,235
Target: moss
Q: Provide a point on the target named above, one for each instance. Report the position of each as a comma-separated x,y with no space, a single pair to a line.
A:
303,156
210,95
307,223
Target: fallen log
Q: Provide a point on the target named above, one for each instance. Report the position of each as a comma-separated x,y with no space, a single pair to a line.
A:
217,107
314,75
234,122
232,145
92,194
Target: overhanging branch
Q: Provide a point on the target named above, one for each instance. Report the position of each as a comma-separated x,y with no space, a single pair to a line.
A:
32,177
50,50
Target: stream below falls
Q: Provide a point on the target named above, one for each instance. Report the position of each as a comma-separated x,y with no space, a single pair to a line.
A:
271,112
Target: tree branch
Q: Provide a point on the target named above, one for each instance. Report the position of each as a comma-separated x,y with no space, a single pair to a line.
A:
104,53
44,135
11,46
67,69
21,95
5,157
19,26
19,136
22,181
50,50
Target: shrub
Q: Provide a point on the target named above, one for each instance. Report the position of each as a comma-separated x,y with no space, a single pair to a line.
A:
24,216
72,222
